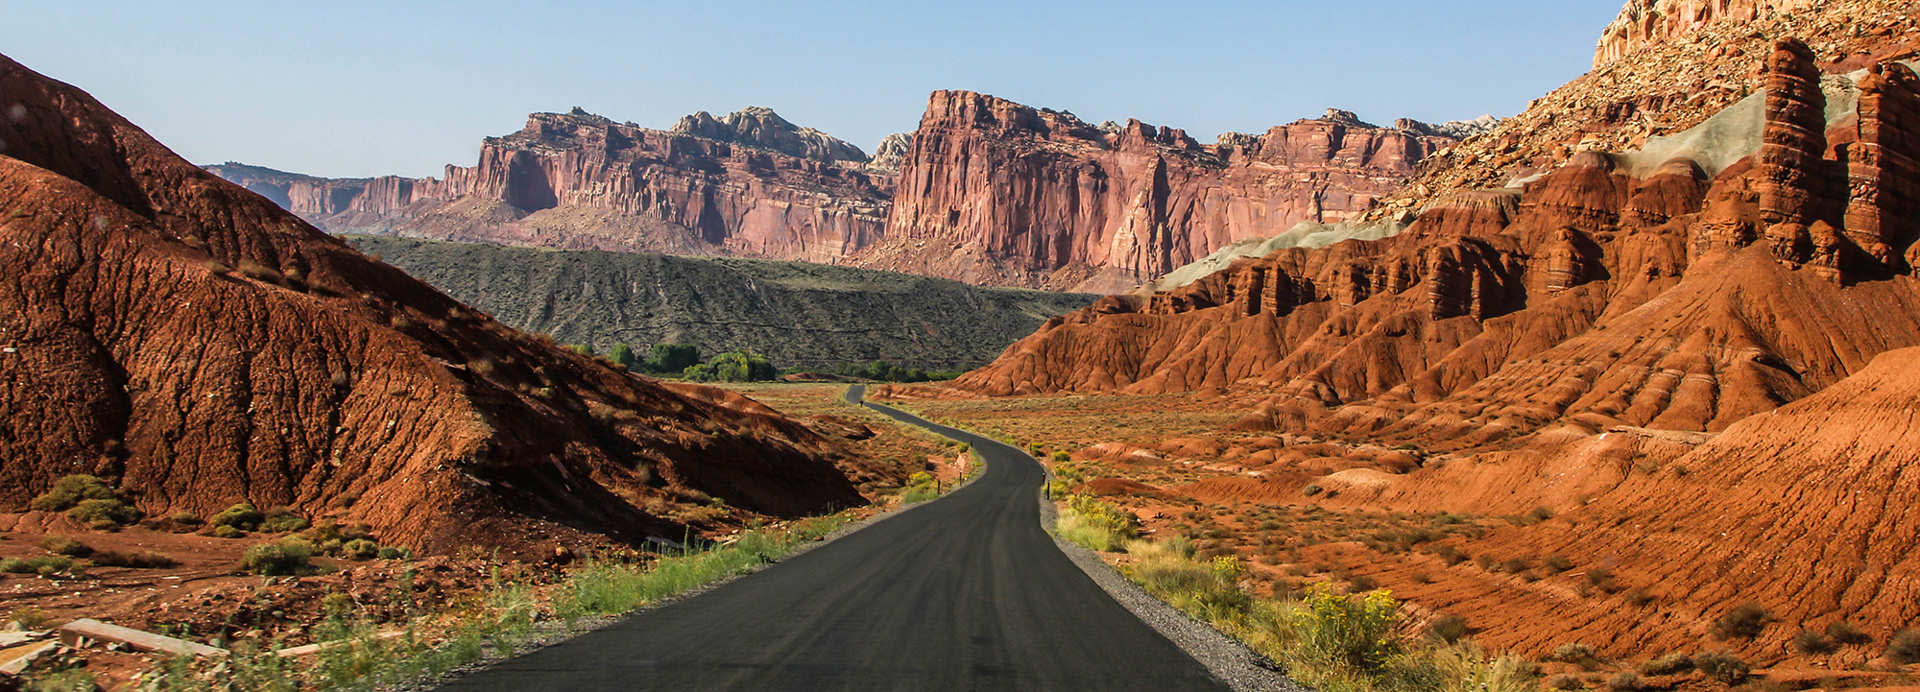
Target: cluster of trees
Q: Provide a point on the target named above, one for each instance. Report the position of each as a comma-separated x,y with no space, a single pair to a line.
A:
746,366
733,366
883,371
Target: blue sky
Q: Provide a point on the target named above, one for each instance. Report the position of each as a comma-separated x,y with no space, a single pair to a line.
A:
351,88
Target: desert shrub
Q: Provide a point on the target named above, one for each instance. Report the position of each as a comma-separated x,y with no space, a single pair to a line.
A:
734,366
921,486
1845,633
103,514
1745,621
260,272
1814,642
1360,583
1515,565
1540,514
184,518
1448,628
1450,555
1312,490
282,520
1062,457
70,491
141,559
1721,666
1096,525
1639,596
1625,681
240,516
359,549
1557,564
1576,653
227,532
1208,589
1565,682
1353,631
1905,647
285,556
62,545
1670,664
392,552
1602,578
42,565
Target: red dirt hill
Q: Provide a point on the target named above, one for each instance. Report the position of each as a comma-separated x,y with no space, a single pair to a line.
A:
192,341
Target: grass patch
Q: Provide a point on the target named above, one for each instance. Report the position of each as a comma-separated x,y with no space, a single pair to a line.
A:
1096,525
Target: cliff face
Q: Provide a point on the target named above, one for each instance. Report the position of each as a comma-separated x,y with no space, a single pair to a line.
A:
749,184
1476,307
1643,23
200,346
993,191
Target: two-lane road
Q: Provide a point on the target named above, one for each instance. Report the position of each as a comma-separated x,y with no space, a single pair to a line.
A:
963,593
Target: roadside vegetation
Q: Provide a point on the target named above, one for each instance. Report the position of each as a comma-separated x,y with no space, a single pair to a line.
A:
1355,641
355,653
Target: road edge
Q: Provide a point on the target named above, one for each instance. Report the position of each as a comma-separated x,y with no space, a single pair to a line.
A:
1229,660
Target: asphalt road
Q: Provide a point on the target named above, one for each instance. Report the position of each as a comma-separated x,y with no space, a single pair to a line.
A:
962,593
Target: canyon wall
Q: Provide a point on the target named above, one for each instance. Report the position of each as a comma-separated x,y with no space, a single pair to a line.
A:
997,192
1643,23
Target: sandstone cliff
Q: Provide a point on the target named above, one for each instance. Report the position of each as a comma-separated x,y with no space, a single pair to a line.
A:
992,191
200,346
1643,23
750,184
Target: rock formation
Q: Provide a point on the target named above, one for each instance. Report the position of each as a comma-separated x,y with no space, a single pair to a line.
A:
200,346
1492,298
1643,23
1038,197
750,184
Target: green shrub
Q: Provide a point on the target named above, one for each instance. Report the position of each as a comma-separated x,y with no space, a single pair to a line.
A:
1904,648
1745,621
184,518
1096,525
392,552
43,565
1721,666
70,491
141,559
1626,681
285,556
103,513
240,516
1352,631
1208,589
1578,654
1448,628
224,531
62,545
282,520
359,549
1062,457
1814,643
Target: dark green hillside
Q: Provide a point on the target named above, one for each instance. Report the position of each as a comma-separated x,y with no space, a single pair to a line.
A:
799,315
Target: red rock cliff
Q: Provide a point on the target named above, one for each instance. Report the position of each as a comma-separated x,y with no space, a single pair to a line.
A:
199,346
996,192
750,184
1646,22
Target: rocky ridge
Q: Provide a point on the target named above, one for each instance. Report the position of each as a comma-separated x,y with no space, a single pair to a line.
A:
997,192
199,346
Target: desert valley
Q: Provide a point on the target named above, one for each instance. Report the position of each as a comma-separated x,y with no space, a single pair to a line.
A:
1616,393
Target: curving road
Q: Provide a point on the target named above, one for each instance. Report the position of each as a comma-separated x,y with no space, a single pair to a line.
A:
962,593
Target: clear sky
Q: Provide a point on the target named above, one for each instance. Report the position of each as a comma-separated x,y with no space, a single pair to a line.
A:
353,88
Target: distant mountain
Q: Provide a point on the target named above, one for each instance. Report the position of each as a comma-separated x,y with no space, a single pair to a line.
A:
799,315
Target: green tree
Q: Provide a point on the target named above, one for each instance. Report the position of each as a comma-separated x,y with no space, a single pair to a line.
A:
623,354
672,358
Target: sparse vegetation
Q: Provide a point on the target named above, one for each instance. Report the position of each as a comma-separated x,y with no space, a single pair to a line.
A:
1745,621
1904,648
281,557
241,516
733,366
139,559
1724,667
1096,525
1814,643
282,520
1669,664
1448,628
920,487
1845,633
70,491
104,514
62,545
